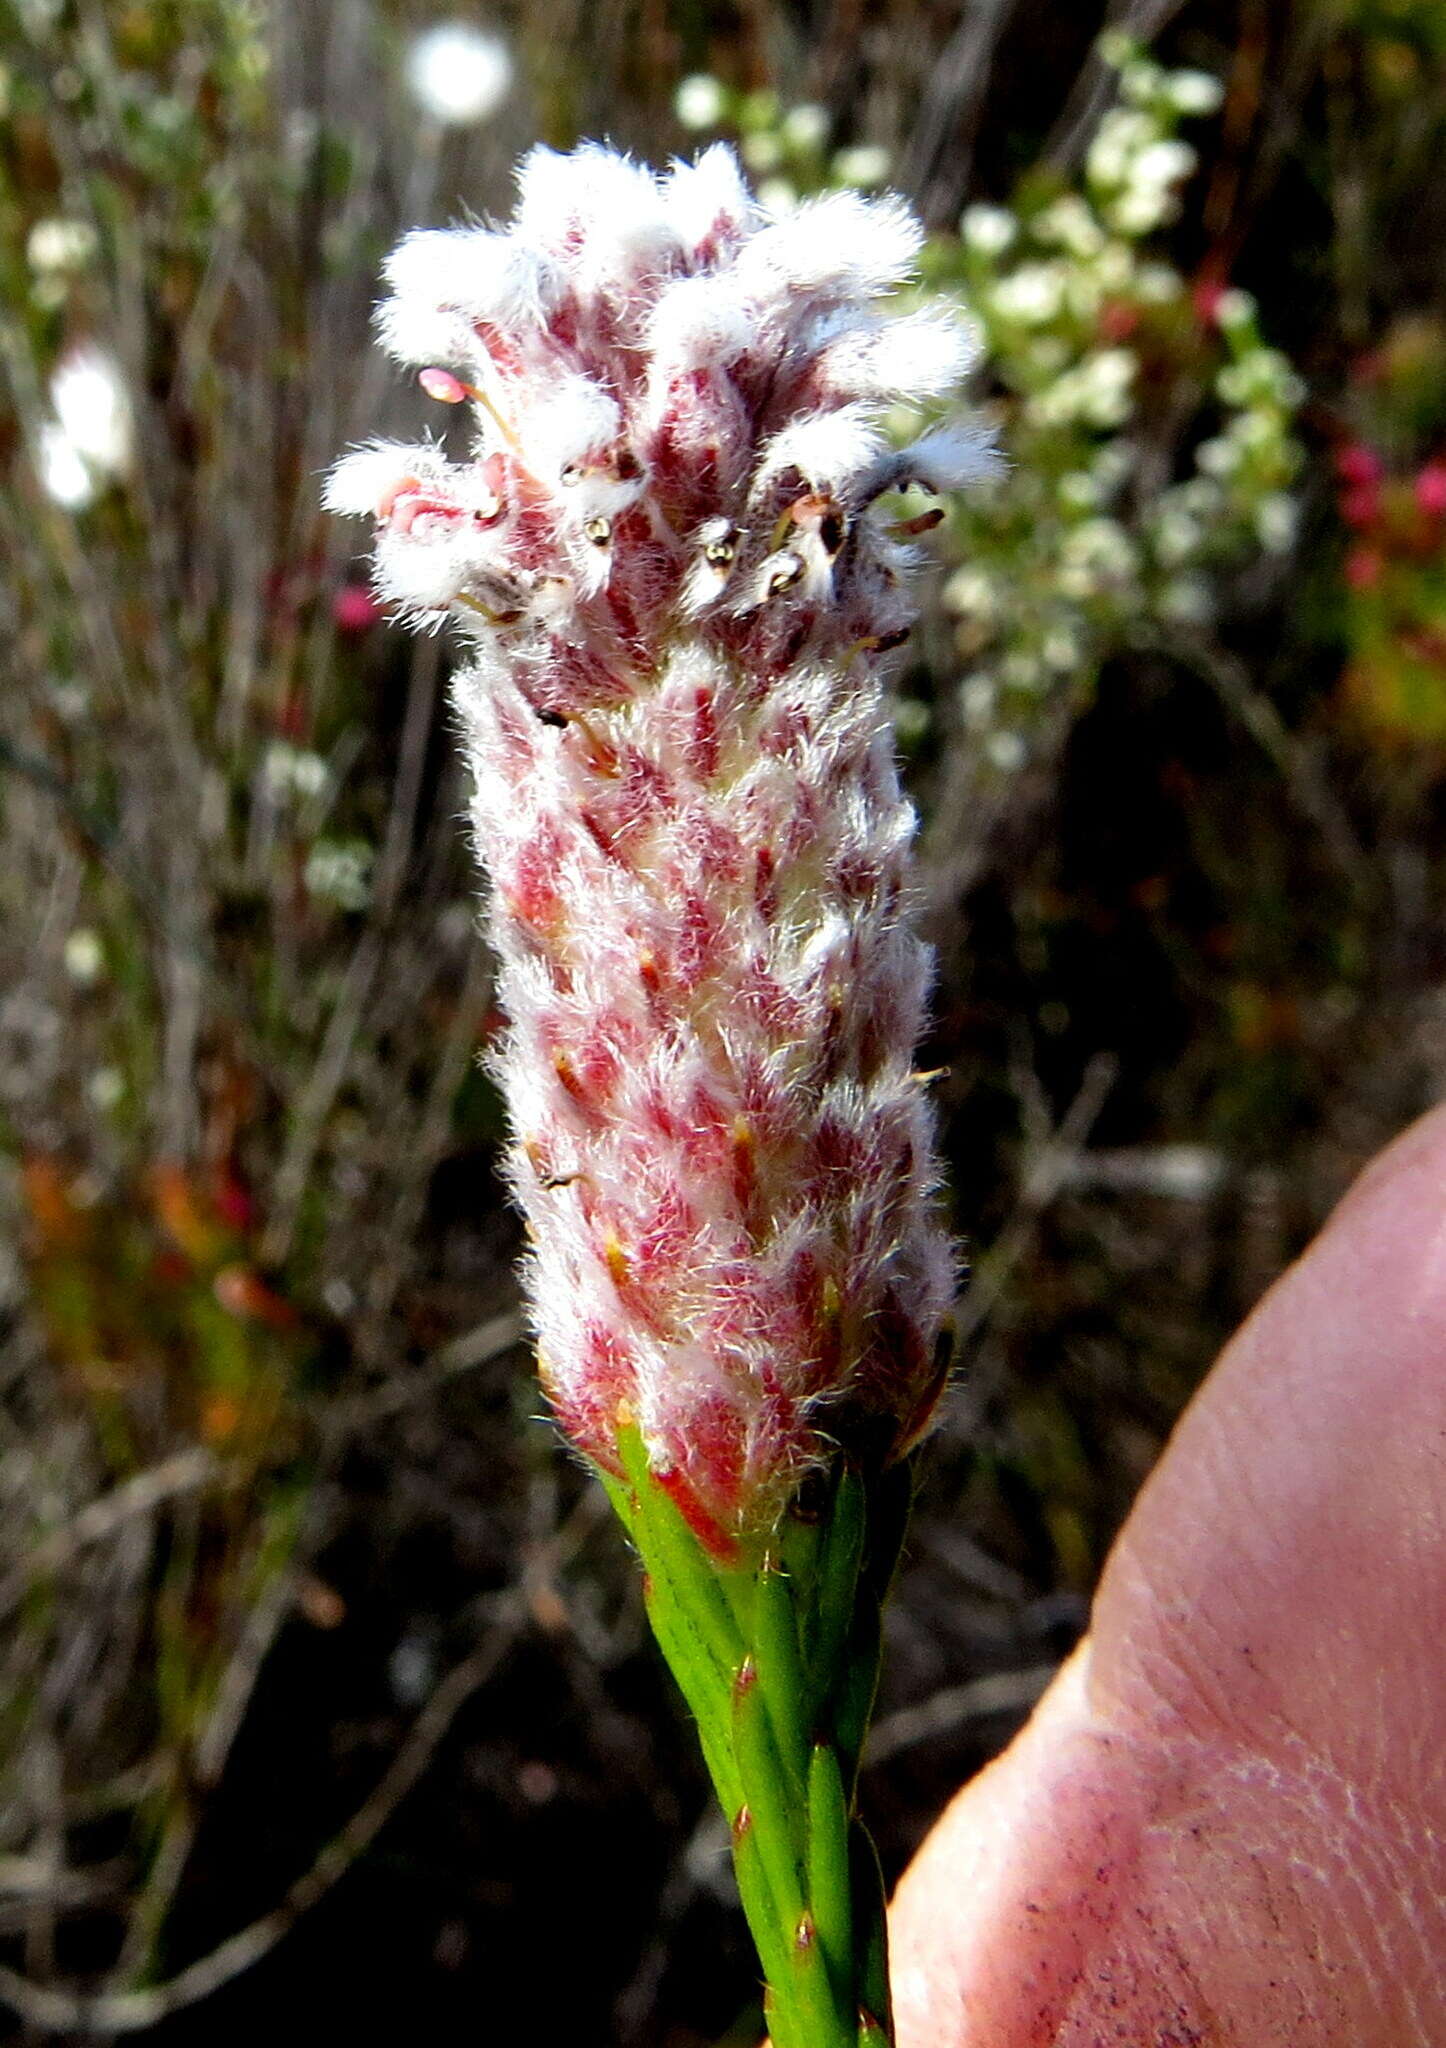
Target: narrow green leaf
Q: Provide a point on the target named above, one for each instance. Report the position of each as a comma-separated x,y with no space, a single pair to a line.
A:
709,1701
766,1924
780,1671
854,1700
830,1890
830,2021
799,1541
840,1555
677,1561
872,1953
777,1819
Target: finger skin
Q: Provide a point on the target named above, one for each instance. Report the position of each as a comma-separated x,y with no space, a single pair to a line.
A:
1226,1823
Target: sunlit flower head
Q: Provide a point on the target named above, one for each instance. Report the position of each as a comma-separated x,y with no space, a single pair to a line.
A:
671,549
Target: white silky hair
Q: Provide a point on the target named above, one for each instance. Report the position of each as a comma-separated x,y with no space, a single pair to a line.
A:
829,448
838,245
357,484
700,323
917,356
573,420
709,193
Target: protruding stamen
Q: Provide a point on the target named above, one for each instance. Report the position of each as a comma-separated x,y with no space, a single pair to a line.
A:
599,531
786,574
449,390
883,643
475,604
923,522
817,513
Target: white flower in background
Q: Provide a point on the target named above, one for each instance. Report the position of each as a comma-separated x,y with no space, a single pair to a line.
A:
84,957
978,695
293,770
762,152
1156,284
92,434
1097,392
698,102
806,126
866,164
93,407
105,1089
988,230
1061,650
459,74
1031,295
339,871
1122,134
972,593
1220,456
1097,556
777,196
1194,92
1276,521
1078,490
64,478
1186,601
1177,533
1006,751
1235,308
1069,223
60,245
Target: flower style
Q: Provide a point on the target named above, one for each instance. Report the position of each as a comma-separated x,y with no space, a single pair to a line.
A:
668,548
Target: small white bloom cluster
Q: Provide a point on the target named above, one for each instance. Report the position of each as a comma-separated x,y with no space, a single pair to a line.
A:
667,543
786,148
1071,552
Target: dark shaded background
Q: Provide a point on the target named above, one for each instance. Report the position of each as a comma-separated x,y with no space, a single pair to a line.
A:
289,1567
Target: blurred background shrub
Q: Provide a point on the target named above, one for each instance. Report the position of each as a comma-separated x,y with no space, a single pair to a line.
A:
326,1699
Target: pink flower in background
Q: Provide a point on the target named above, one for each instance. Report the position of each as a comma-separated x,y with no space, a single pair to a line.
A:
667,544
1364,568
1358,464
354,609
1430,490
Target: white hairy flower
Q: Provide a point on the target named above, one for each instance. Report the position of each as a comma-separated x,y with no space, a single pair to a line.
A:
667,547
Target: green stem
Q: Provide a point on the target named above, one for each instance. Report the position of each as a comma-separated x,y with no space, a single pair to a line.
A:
777,1657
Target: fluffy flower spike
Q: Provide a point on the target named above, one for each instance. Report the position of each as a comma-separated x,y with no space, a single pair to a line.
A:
666,543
